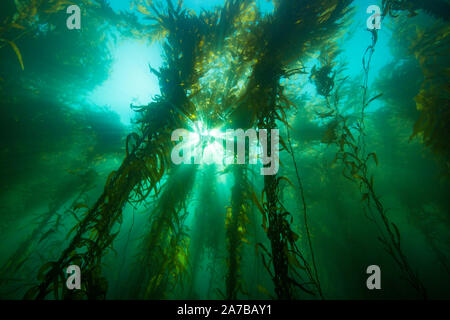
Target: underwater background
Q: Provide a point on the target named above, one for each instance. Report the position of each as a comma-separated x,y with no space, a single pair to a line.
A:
86,176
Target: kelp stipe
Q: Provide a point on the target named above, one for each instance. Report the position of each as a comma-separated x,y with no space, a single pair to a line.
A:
163,262
355,159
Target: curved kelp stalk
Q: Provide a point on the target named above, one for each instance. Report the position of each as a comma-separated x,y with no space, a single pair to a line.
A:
357,165
29,16
305,214
430,48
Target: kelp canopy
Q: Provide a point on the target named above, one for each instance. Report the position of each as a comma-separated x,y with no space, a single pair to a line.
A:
364,158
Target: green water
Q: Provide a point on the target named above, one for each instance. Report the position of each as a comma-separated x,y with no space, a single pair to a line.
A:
87,178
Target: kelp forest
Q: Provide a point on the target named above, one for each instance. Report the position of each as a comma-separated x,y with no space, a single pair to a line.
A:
87,176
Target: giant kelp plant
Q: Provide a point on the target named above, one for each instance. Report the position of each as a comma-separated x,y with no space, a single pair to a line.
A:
224,231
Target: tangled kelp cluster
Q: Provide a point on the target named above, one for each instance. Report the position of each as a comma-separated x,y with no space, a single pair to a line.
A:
235,67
